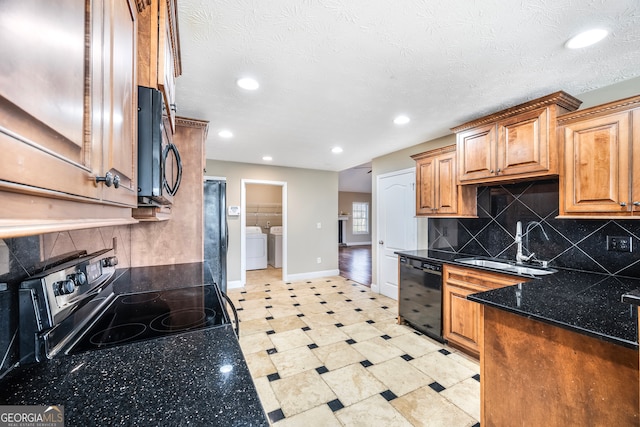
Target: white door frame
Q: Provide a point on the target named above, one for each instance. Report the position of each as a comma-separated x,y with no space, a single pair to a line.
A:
243,222
376,287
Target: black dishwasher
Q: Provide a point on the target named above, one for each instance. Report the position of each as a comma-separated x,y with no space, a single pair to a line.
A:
421,296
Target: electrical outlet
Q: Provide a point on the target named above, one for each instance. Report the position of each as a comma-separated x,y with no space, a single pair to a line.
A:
319,260
619,243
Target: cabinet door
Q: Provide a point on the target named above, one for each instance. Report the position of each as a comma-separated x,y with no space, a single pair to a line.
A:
635,143
166,66
446,190
462,318
596,165
476,153
523,144
120,101
44,139
425,193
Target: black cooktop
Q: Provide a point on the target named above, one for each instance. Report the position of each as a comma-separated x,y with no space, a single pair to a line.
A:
141,316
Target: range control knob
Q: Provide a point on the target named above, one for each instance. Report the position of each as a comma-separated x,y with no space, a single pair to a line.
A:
65,287
78,278
110,261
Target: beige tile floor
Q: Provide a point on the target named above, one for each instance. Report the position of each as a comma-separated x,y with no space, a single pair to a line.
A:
328,352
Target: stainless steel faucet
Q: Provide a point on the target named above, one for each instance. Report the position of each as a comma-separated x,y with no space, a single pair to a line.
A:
520,256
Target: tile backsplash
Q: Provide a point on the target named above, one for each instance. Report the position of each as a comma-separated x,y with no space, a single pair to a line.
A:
572,243
20,257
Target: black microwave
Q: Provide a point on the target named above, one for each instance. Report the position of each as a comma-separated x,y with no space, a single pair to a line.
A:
159,164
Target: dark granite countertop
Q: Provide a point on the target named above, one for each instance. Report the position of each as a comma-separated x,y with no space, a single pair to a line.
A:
175,380
194,378
584,302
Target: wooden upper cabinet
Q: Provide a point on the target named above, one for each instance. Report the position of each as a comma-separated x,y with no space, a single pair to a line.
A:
437,191
120,102
635,186
159,62
514,144
476,153
523,144
59,133
601,160
43,134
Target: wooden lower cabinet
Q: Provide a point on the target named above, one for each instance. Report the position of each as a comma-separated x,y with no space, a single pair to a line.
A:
536,374
462,319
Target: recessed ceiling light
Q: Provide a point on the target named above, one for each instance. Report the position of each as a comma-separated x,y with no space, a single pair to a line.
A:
401,120
336,150
267,158
248,83
586,38
225,134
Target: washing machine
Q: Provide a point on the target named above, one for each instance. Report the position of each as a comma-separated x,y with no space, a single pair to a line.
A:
274,251
256,248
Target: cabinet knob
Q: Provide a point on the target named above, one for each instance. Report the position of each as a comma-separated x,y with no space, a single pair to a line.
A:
498,171
173,107
109,179
636,203
623,204
380,242
491,171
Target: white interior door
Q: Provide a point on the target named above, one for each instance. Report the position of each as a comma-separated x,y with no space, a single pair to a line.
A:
397,225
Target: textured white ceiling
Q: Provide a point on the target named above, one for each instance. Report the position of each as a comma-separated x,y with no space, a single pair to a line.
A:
337,72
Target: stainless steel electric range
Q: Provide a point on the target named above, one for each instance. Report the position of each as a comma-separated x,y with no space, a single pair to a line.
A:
85,303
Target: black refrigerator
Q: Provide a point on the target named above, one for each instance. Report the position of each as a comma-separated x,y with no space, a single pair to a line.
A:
216,236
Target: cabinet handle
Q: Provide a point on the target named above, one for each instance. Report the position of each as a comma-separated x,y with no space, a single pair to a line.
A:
636,203
623,204
109,179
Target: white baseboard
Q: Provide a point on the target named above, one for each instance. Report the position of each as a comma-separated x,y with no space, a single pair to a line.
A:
235,284
375,288
311,275
358,243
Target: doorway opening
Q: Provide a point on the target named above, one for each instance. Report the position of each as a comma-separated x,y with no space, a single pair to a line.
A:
263,236
354,263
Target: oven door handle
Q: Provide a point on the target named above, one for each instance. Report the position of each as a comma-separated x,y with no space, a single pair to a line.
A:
235,313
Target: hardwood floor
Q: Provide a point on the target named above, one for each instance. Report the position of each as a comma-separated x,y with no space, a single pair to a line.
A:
354,263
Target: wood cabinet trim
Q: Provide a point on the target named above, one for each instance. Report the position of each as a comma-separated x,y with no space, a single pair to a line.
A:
559,98
600,110
434,152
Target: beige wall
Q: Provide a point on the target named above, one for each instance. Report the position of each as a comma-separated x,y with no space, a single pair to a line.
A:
345,204
312,198
614,92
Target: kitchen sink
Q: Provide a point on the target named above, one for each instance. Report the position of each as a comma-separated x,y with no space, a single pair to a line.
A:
506,266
